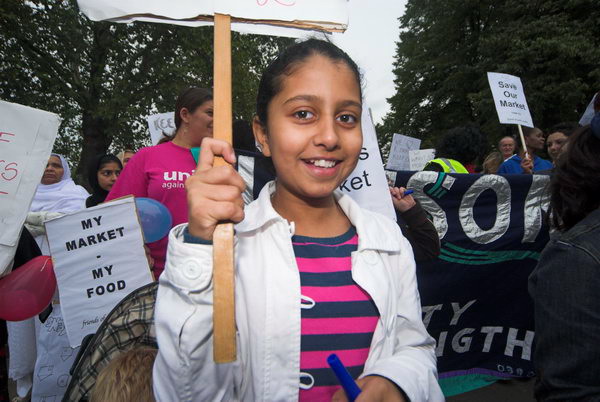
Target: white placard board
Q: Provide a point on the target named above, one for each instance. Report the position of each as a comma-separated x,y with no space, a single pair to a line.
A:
367,184
26,139
159,124
398,158
509,99
99,258
267,17
419,158
587,116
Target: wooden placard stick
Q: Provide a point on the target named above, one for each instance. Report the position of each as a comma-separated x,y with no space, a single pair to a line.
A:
224,347
523,140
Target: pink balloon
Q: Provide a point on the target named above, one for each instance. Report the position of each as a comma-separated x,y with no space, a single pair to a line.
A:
27,290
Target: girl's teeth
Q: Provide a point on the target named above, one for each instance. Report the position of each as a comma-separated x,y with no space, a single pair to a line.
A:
323,163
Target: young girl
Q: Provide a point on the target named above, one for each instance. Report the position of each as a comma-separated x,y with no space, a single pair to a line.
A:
102,176
315,273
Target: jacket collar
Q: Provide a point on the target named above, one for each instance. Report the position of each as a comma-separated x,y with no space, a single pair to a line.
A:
368,224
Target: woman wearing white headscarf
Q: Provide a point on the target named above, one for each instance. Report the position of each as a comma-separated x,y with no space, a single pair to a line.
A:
42,347
56,194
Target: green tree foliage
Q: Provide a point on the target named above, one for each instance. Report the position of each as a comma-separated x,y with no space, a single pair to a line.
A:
447,46
104,78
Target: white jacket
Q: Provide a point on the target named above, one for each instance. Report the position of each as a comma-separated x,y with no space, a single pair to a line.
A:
267,297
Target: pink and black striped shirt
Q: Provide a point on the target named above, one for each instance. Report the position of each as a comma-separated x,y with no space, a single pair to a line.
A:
337,314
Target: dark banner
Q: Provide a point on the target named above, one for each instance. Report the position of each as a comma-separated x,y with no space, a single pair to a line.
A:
475,301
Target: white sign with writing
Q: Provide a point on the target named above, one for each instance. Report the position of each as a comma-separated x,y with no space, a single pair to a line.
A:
99,258
160,124
367,184
509,99
265,17
587,116
419,158
401,145
26,139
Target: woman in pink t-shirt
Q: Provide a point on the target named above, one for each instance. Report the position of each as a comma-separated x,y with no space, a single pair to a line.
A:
159,172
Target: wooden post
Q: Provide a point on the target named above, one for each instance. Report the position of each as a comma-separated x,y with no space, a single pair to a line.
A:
223,271
522,140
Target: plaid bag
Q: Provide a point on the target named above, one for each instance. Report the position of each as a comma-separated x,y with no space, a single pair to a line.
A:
129,325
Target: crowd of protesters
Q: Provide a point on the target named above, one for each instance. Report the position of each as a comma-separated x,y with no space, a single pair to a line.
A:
308,125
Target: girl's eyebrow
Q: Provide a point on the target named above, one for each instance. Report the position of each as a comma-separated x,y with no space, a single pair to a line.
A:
347,103
313,98
309,98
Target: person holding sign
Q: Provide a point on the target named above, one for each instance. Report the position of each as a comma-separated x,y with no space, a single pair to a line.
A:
159,172
315,273
526,161
57,193
564,285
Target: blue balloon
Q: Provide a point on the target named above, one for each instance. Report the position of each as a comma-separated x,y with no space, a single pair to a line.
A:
155,218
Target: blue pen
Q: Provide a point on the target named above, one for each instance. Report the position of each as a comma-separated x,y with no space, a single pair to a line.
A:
343,377
408,192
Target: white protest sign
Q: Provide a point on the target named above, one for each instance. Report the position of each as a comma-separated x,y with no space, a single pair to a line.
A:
367,184
419,158
99,258
509,99
159,124
26,139
398,157
587,116
267,17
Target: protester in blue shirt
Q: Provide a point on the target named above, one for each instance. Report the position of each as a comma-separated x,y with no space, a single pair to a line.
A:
526,161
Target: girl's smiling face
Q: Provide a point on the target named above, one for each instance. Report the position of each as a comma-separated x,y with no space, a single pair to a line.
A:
313,134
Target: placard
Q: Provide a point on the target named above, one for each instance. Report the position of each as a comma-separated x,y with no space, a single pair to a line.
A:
26,139
99,259
587,116
419,158
398,158
509,99
367,184
160,124
266,17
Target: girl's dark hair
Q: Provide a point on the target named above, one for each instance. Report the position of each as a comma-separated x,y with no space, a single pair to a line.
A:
284,64
575,182
567,128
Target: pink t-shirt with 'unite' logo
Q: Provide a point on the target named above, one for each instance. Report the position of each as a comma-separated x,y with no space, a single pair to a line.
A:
158,172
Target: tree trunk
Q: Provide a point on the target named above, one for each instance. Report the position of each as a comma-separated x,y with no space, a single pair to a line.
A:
95,142
94,126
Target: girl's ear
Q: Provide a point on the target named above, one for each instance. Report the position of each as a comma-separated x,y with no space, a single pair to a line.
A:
184,114
260,136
